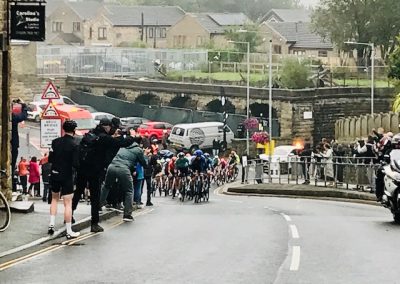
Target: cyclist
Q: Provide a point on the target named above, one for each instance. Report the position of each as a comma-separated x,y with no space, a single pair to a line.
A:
172,173
182,166
234,160
209,166
198,162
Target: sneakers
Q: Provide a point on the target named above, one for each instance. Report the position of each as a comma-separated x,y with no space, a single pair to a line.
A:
149,204
128,218
95,228
73,235
51,230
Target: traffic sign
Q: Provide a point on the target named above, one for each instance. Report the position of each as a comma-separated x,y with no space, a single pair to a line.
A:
50,111
50,93
50,129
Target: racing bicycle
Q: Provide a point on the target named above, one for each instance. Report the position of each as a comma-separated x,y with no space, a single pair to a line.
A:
5,212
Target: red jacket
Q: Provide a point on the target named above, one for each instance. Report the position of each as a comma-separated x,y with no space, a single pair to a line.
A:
34,172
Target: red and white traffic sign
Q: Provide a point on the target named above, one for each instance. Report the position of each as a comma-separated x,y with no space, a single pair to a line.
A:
50,111
50,93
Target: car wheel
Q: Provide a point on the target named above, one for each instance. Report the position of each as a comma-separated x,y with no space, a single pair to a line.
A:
152,137
193,148
37,118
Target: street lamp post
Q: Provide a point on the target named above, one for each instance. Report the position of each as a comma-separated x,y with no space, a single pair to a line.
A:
270,110
248,91
372,45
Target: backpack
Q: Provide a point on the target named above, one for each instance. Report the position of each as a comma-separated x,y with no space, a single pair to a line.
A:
87,149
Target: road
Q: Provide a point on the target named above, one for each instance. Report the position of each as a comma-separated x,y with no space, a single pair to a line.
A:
229,240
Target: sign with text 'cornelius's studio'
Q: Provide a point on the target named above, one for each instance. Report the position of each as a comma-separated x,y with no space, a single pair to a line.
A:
27,22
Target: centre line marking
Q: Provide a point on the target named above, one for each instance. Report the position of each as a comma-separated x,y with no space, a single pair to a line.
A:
287,218
294,266
295,233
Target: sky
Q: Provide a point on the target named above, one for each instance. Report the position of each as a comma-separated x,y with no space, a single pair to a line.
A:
309,2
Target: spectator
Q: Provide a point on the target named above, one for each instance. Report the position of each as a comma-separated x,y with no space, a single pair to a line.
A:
138,177
19,114
23,174
146,141
366,151
328,169
46,171
216,147
148,174
34,177
305,158
164,140
154,146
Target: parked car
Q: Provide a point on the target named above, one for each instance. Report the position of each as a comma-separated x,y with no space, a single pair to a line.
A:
154,129
191,136
61,100
35,110
280,160
97,116
133,122
88,108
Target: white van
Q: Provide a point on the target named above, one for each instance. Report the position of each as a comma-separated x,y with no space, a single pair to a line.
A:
192,136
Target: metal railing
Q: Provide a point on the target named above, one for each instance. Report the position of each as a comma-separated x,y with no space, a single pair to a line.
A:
339,172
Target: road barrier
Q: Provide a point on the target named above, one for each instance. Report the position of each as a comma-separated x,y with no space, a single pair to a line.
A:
338,172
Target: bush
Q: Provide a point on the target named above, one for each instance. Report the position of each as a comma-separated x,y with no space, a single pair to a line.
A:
216,106
294,75
148,98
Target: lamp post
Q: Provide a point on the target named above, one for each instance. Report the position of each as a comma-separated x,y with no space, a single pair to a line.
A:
248,91
372,45
270,110
225,117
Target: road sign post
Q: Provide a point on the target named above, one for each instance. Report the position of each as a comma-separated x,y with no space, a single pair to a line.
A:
50,122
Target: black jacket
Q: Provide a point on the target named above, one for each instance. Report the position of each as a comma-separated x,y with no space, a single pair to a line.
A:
111,152
15,119
63,157
152,163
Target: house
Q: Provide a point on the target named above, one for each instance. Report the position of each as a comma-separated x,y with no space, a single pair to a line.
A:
66,21
196,30
298,39
287,15
117,25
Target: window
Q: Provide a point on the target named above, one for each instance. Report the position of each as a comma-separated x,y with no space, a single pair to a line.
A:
277,49
90,33
159,126
199,41
163,32
299,52
102,33
178,131
57,26
151,32
322,53
76,26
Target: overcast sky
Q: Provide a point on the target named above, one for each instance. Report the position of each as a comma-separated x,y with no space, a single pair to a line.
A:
309,2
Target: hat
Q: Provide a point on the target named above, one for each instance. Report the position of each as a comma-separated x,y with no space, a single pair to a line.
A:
105,122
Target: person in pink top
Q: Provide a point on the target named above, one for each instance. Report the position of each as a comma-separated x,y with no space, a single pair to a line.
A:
23,174
34,177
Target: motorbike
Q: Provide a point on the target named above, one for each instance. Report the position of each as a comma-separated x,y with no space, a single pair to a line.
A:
391,197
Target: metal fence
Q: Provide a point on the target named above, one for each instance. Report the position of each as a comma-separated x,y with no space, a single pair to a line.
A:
111,61
341,172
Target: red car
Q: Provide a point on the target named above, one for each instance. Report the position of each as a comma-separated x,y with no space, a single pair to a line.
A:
154,129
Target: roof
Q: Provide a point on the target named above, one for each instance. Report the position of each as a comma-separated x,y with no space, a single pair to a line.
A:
229,19
216,23
301,35
153,15
86,10
52,5
67,38
289,15
199,125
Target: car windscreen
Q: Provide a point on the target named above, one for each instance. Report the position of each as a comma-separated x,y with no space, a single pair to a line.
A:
178,131
282,151
85,123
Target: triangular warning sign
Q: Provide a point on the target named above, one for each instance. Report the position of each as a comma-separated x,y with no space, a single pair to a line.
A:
50,111
50,93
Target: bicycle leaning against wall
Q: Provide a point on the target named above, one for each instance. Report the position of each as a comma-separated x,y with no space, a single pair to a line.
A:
5,212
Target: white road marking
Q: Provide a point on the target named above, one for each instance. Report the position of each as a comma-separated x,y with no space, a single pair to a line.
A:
235,201
287,218
294,266
295,233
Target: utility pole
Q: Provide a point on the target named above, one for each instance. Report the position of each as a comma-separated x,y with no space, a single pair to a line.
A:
225,117
5,99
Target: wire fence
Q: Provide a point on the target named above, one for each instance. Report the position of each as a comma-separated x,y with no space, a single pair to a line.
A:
339,172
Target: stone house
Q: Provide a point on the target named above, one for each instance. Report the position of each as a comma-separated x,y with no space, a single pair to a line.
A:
287,15
117,25
196,30
67,21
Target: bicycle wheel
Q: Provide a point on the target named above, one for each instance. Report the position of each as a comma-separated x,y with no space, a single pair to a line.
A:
5,213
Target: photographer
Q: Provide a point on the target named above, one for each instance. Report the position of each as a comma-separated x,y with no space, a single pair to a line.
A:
19,114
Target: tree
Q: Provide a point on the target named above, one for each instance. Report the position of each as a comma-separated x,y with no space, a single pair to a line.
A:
363,21
250,34
394,64
294,74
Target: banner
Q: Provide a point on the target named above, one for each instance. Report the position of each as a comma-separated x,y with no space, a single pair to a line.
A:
27,22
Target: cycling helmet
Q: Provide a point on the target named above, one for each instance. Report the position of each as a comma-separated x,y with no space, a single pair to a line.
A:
168,160
396,141
198,153
207,155
155,141
181,155
69,125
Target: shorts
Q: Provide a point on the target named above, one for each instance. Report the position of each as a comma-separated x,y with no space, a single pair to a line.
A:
66,187
183,172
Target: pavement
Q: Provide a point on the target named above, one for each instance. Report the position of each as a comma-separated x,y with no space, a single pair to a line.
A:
29,230
302,191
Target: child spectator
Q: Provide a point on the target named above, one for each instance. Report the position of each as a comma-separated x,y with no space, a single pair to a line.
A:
34,177
23,174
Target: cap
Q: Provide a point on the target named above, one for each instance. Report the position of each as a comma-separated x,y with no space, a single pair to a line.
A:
105,122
